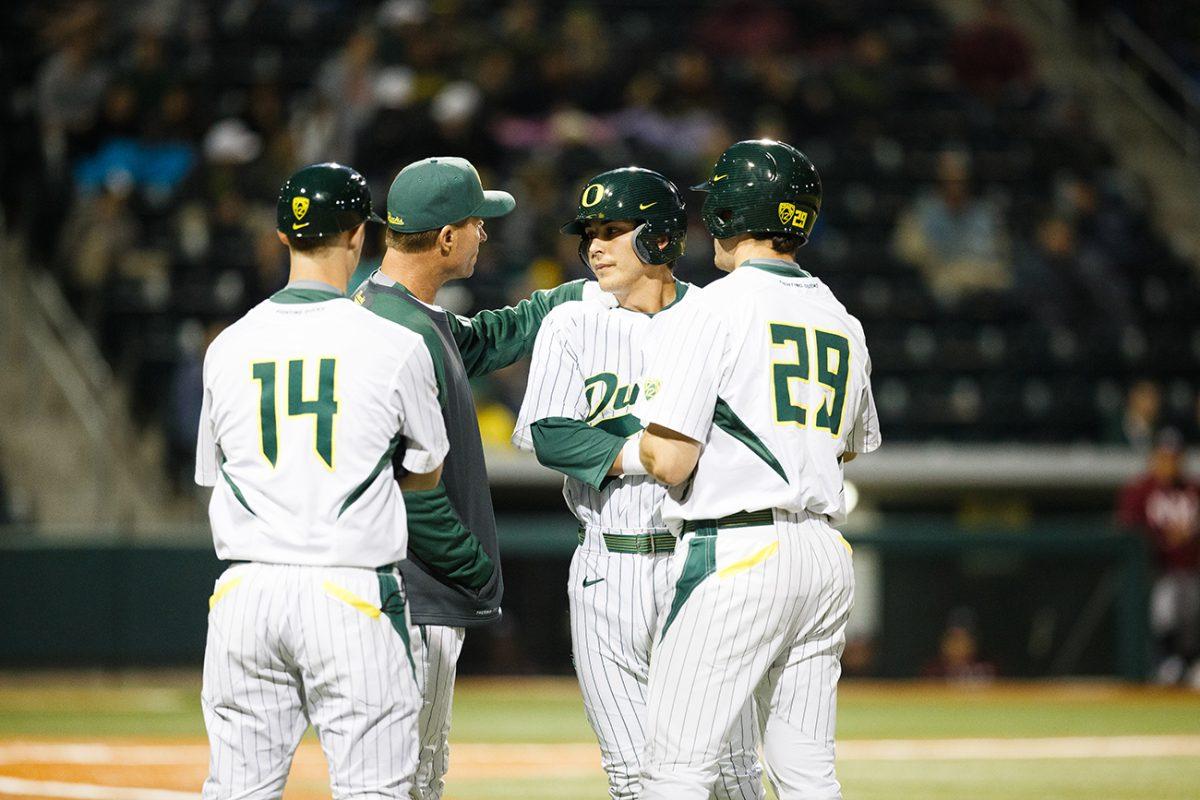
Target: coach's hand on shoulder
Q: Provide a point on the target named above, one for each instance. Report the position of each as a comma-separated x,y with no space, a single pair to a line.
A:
592,293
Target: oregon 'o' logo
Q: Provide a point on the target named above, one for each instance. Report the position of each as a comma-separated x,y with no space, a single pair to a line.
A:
299,206
591,195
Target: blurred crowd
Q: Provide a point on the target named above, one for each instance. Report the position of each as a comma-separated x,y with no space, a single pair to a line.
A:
1008,277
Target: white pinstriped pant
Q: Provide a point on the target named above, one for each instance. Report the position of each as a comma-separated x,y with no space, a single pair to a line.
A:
437,664
765,619
613,623
292,644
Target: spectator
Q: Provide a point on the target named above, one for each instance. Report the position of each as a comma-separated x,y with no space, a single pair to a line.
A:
70,88
1070,284
954,239
991,56
958,659
1140,419
104,228
1163,505
347,83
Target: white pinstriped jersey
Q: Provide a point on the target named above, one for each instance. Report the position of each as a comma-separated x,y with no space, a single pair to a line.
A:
305,401
770,373
588,364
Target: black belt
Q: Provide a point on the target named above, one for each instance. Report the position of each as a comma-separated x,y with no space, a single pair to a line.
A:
742,519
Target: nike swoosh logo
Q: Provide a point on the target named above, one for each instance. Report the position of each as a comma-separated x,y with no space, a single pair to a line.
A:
644,206
587,583
716,178
298,225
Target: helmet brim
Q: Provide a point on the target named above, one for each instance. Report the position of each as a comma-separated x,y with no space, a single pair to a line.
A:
702,187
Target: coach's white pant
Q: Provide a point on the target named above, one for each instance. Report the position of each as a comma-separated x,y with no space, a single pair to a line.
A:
760,613
616,602
437,664
292,644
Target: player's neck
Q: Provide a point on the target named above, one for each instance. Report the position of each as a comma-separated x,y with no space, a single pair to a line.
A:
334,270
756,250
415,272
651,293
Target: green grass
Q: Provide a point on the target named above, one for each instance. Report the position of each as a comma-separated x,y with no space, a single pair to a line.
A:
503,711
1089,779
920,711
558,789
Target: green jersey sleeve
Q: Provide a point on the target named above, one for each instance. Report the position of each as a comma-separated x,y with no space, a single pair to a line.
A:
494,339
437,536
574,448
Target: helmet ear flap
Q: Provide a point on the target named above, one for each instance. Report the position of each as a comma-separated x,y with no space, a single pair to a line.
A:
641,247
645,244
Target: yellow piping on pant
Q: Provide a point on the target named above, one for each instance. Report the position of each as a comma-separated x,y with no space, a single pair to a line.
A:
747,563
350,598
224,589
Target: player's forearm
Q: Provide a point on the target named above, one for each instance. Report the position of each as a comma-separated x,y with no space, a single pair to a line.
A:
668,456
421,481
496,338
576,449
439,539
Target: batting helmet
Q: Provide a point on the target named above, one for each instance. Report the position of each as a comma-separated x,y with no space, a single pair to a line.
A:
761,186
639,195
323,200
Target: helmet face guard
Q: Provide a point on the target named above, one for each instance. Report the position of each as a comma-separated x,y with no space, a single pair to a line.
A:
641,196
761,186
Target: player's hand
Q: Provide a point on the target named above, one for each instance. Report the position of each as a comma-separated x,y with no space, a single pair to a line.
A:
592,293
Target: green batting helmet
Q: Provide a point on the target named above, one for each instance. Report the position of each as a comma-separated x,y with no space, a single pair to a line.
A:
761,186
640,195
323,200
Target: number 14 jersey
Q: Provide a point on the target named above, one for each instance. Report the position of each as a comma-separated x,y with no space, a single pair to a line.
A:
770,373
307,399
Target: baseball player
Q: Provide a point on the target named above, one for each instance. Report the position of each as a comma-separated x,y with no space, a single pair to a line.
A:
435,225
761,392
306,399
577,417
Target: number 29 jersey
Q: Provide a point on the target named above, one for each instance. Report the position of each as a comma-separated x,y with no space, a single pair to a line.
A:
306,400
770,373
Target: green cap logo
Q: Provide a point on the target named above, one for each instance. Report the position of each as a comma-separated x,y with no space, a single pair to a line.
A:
441,191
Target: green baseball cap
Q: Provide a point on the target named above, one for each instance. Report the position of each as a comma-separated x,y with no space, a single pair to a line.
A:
439,191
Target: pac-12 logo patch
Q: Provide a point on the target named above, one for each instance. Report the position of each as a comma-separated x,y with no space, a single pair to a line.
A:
789,213
299,207
651,387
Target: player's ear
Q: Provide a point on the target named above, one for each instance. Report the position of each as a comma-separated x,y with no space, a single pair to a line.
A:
358,235
282,238
663,241
446,239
